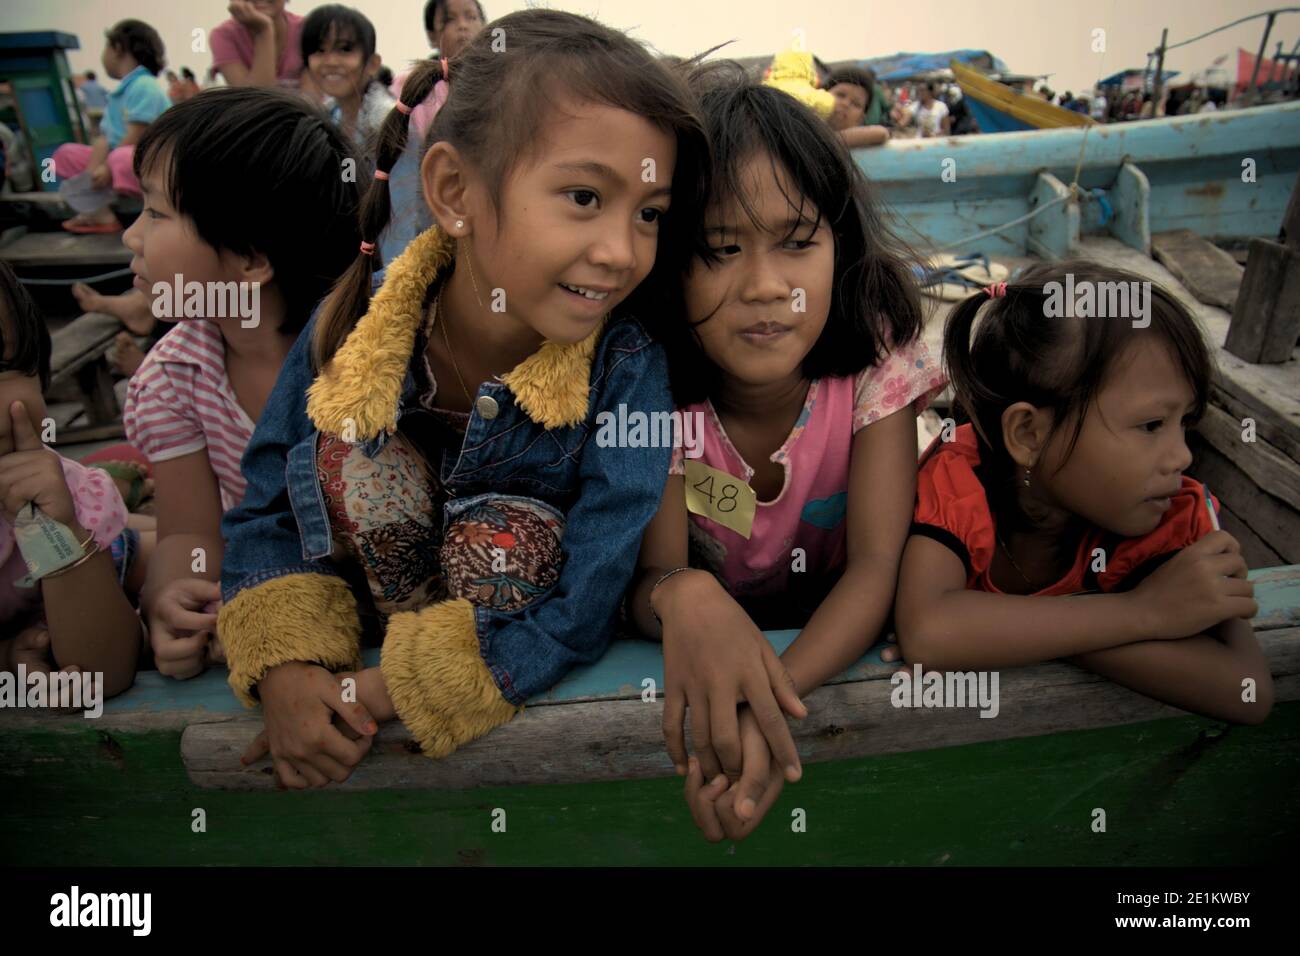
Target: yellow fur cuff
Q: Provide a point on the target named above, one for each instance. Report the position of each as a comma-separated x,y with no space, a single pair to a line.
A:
298,617
441,689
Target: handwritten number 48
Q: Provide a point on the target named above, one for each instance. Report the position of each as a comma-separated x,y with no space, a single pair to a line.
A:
727,500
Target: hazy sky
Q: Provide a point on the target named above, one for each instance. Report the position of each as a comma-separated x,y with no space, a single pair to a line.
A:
1032,36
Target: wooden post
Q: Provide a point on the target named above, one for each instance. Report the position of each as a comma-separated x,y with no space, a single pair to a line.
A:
1266,320
1259,60
1159,90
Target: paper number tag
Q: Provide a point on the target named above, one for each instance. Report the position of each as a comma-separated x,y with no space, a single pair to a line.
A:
720,497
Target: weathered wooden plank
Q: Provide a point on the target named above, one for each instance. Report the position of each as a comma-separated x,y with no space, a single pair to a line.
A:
1276,524
1273,472
1271,392
65,249
1266,319
1266,427
1253,549
1207,271
623,740
83,340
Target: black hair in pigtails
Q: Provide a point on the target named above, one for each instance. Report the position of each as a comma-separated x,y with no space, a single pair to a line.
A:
1024,351
350,298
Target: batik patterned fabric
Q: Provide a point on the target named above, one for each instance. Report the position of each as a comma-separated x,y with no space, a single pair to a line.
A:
383,511
498,552
503,553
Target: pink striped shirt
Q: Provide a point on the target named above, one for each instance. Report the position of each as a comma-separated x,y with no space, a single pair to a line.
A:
180,401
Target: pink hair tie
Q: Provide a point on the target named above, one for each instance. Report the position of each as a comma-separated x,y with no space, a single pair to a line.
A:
444,67
403,108
380,174
997,290
368,248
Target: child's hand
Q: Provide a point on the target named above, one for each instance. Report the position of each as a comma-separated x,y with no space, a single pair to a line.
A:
715,658
245,12
181,626
32,473
101,177
298,701
1201,586
31,648
734,812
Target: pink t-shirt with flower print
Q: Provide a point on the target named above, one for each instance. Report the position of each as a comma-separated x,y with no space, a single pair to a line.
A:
99,510
809,513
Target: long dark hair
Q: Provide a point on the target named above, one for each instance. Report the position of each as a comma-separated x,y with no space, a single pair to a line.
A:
875,304
31,336
344,22
1022,352
262,170
501,86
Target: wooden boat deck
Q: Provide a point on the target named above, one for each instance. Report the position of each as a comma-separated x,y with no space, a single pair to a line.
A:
597,726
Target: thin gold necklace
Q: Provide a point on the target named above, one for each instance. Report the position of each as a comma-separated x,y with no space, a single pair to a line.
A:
438,320
1007,552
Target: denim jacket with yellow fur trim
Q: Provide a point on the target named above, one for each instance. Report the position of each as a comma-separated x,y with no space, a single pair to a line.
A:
454,671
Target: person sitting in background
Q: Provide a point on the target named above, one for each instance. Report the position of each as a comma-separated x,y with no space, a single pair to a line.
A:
92,94
450,25
931,115
338,46
133,53
186,87
855,96
260,45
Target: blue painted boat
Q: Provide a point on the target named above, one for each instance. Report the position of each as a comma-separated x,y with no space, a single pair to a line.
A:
1224,175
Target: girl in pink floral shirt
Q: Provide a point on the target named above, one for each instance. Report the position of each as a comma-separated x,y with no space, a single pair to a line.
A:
799,371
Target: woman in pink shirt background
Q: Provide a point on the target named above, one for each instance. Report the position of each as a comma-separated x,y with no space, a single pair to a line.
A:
259,45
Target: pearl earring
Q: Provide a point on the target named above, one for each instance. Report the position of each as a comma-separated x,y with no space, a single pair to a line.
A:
460,223
1026,478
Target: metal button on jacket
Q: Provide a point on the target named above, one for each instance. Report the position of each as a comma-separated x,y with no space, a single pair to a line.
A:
487,407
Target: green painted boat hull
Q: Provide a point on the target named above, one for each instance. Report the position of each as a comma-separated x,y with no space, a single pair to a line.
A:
1176,792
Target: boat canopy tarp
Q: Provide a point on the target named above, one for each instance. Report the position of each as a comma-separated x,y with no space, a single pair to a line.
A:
901,66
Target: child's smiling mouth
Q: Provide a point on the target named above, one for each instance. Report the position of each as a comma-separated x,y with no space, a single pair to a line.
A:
586,292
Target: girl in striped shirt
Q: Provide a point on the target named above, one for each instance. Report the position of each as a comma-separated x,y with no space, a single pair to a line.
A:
249,217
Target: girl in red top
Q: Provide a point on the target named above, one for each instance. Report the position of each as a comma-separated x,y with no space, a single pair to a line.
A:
1059,522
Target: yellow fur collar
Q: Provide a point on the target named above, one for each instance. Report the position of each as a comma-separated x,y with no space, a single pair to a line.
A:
362,383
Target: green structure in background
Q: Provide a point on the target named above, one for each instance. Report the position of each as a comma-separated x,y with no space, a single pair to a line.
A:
44,111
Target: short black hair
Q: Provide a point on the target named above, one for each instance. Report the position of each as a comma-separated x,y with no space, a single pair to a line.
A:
31,334
858,77
187,73
90,74
431,11
875,304
141,41
262,170
344,22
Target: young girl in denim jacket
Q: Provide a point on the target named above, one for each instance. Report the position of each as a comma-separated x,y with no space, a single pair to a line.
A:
800,358
427,468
